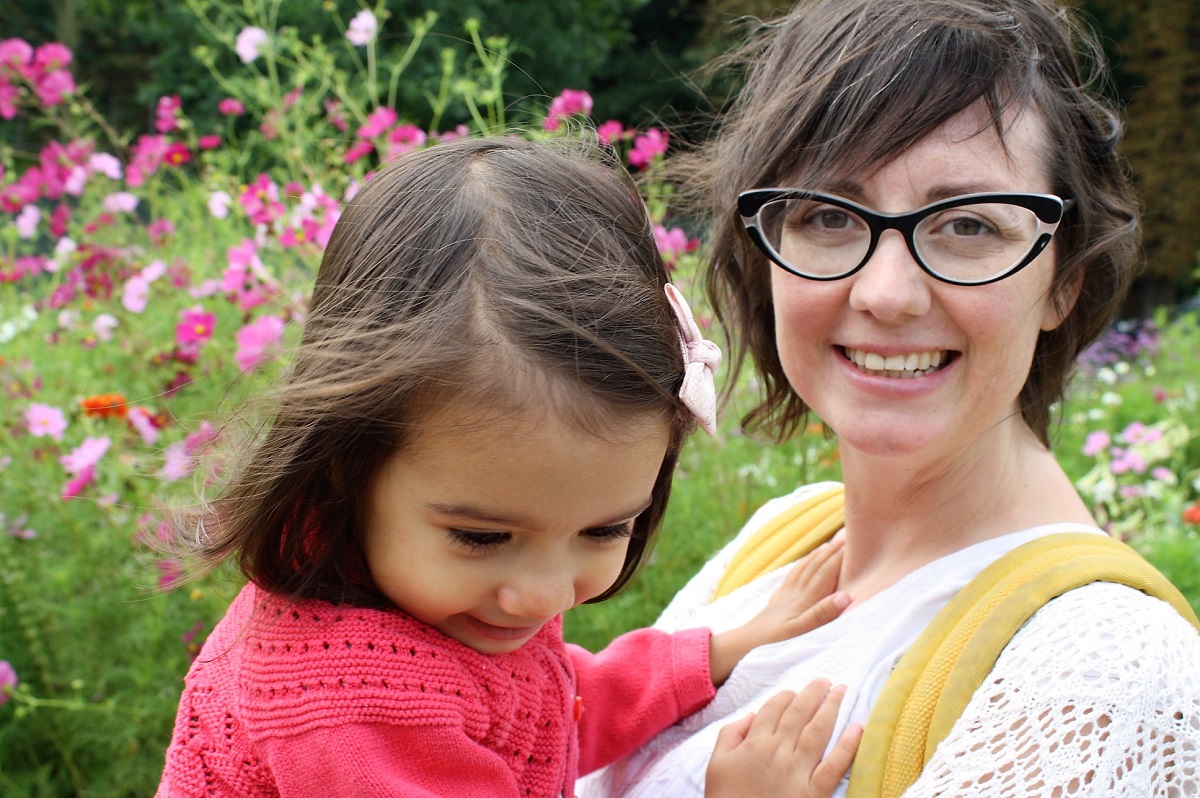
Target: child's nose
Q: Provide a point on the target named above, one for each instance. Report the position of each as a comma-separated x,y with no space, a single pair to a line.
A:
538,596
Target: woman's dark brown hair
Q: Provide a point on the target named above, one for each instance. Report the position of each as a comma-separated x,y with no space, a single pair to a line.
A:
841,87
480,276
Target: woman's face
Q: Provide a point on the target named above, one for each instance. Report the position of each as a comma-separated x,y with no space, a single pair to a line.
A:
835,338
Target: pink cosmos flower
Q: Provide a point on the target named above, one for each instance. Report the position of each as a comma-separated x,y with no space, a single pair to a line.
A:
569,103
55,87
257,340
218,204
42,420
248,43
647,147
140,419
135,294
169,573
8,680
9,97
177,463
85,455
405,138
177,154
148,153
1097,441
160,231
377,123
105,164
27,221
195,326
362,29
209,142
165,113
231,107
76,485
610,131
52,56
103,326
261,202
334,114
673,243
16,55
357,150
120,202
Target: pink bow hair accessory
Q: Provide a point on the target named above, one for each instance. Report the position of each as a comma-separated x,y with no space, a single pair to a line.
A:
700,359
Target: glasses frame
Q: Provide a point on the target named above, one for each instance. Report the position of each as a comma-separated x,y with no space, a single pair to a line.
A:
1048,209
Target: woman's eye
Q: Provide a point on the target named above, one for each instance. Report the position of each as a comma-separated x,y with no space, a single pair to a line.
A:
968,226
478,540
610,533
829,219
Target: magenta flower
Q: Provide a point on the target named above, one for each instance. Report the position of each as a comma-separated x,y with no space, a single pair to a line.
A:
85,455
357,150
9,96
569,103
8,680
148,153
76,485
249,40
673,243
44,420
261,202
610,131
51,57
362,29
165,113
195,326
405,138
16,56
53,88
209,142
377,123
231,107
647,147
257,340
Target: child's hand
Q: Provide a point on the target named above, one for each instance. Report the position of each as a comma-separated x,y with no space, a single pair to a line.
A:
803,602
779,750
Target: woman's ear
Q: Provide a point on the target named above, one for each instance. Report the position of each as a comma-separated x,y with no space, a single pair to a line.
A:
1062,302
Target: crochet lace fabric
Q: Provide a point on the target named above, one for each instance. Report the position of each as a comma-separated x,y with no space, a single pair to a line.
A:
1081,708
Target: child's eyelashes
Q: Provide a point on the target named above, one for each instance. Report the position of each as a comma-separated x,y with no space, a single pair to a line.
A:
477,541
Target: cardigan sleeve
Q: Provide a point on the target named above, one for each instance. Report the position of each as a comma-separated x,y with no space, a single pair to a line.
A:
640,684
382,760
1097,695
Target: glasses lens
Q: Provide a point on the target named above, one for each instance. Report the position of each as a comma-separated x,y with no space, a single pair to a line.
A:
815,238
973,243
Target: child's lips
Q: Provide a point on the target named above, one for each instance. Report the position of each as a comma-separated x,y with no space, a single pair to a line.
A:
502,633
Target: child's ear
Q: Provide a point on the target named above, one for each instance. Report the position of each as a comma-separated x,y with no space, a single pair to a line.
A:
1062,302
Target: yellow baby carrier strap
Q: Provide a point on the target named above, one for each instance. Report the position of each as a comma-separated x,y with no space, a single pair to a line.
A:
936,678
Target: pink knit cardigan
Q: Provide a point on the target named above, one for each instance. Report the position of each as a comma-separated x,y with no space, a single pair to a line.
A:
315,699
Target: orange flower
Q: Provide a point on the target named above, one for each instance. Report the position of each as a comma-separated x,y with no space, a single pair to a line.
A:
1192,514
105,405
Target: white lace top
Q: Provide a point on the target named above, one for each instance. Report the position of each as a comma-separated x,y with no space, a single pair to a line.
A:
1097,695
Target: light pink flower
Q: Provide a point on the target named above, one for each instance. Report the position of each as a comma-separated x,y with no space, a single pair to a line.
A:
85,455
105,164
257,340
218,204
1097,441
27,221
103,326
362,29
165,113
199,437
135,294
177,463
195,326
120,202
231,107
140,419
610,131
42,420
153,270
249,40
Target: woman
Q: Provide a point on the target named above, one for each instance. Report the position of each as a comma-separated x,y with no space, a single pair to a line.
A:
953,227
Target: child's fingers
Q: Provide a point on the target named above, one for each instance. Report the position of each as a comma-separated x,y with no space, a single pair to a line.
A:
733,734
821,613
820,560
767,719
799,712
819,729
830,771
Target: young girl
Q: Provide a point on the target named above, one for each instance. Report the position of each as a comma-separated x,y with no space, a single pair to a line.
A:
477,434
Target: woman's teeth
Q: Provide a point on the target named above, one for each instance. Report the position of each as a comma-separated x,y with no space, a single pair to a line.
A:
913,364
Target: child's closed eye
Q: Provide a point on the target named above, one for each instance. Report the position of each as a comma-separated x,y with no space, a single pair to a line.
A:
478,540
611,533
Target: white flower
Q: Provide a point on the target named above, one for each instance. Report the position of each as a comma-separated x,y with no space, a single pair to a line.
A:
218,204
103,326
362,29
249,39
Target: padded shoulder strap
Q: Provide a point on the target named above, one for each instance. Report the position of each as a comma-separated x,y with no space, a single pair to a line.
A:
786,538
935,679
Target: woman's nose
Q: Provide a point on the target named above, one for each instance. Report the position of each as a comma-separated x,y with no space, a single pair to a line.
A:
538,596
891,286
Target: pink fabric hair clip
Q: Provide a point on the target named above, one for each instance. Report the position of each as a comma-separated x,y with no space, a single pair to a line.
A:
700,359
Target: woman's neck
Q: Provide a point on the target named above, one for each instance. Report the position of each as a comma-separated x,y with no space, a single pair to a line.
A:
901,514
